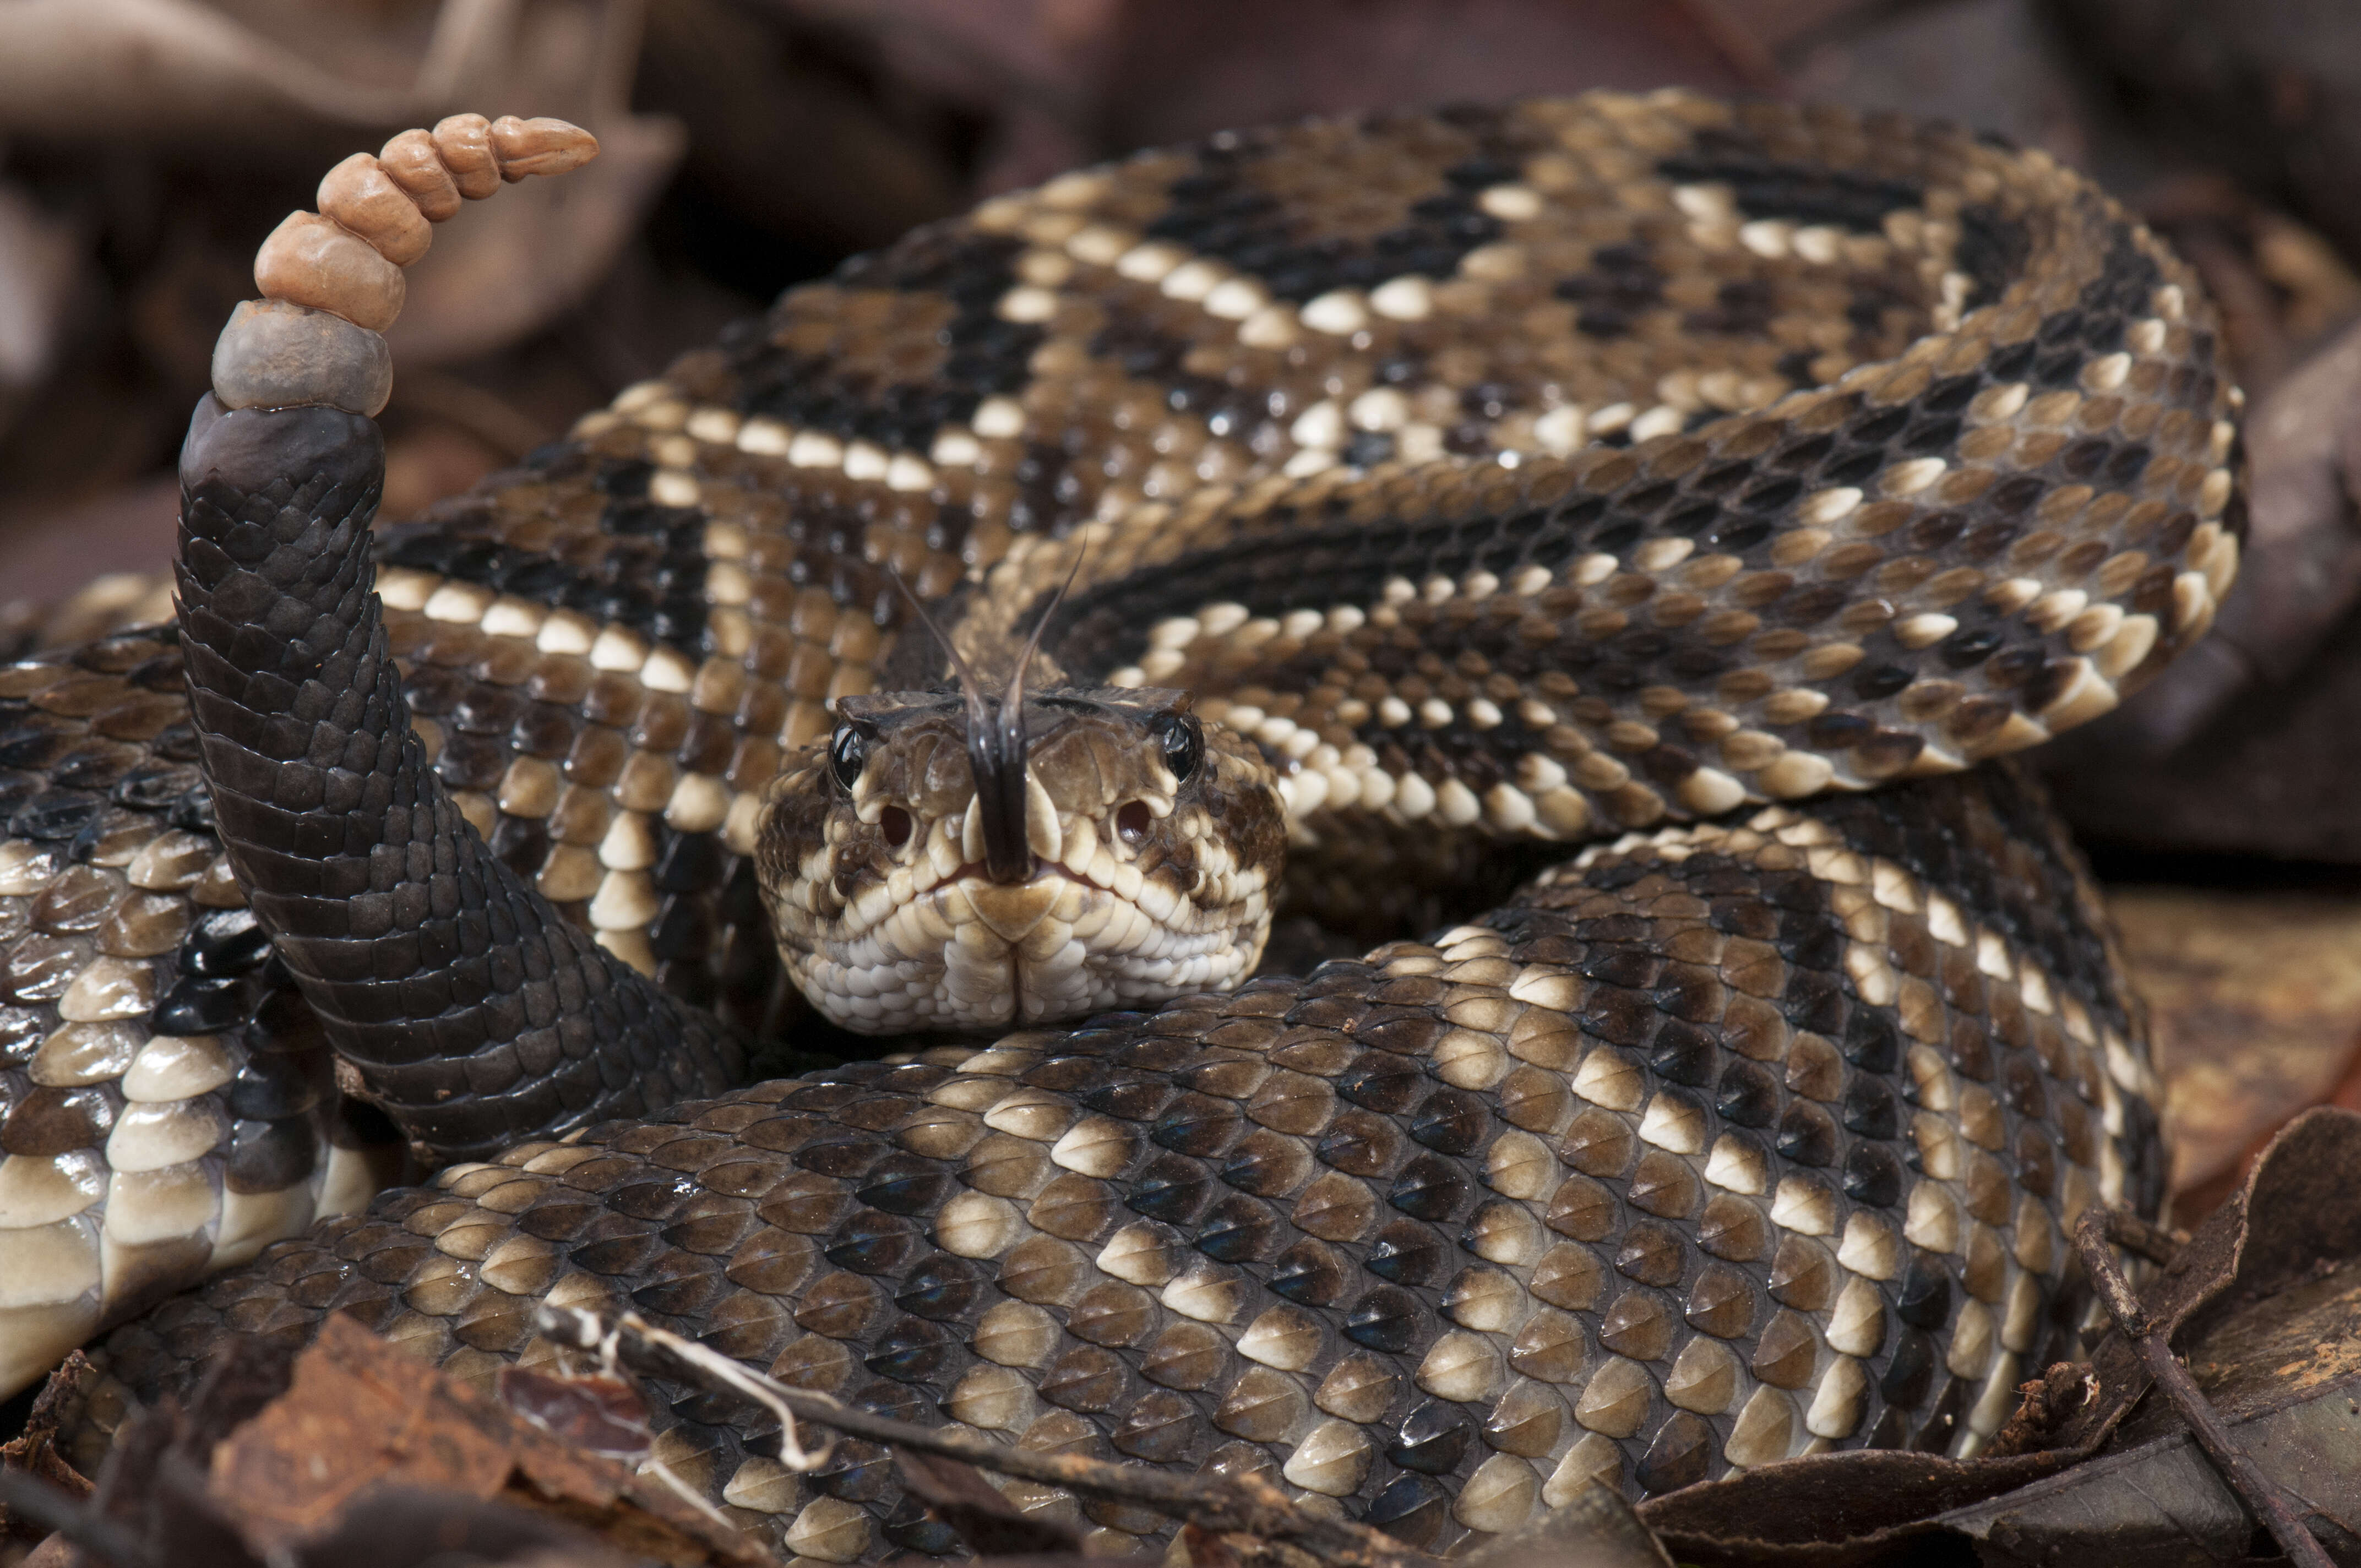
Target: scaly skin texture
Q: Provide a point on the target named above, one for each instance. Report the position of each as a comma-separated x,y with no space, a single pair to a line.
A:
1842,453
473,1011
1728,1142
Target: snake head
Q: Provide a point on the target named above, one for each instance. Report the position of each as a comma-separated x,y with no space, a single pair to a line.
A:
1140,861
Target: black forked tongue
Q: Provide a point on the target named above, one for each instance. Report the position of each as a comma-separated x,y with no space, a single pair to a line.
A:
995,744
996,755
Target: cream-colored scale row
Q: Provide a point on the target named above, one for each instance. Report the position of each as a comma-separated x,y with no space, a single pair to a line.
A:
1335,772
87,1231
606,848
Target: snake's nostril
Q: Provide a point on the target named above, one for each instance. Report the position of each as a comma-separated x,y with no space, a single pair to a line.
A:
895,823
1132,822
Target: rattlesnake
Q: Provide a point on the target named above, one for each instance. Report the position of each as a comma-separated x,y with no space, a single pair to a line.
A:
1714,483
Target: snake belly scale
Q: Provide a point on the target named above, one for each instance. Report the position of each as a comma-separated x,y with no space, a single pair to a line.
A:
1716,484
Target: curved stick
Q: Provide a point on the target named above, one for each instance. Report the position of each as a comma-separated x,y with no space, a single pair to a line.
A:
2246,1481
474,1013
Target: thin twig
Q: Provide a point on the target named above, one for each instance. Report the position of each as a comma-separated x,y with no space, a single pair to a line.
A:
687,1493
1244,1504
2258,1492
744,1382
30,1498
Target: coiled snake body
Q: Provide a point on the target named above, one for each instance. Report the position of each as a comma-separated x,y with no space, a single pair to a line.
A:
1728,478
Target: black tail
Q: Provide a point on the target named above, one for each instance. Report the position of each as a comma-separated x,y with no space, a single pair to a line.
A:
476,1015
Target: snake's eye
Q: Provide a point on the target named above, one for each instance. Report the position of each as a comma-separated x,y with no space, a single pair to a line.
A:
1183,741
845,755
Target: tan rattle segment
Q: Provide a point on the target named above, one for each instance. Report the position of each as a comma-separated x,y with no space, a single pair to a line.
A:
331,281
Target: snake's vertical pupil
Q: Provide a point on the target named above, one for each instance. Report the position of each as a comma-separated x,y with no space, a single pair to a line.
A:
1183,741
845,755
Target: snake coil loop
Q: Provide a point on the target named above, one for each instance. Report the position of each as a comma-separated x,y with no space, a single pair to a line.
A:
1719,494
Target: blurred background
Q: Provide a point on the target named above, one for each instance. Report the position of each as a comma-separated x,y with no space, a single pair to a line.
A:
147,146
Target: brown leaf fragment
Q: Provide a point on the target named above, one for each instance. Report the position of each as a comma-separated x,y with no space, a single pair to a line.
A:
349,1423
34,1452
597,1415
956,1493
361,1417
2161,1502
2290,1343
2093,1245
2295,1218
1831,1510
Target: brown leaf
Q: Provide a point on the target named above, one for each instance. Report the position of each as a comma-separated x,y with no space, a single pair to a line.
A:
2161,1501
2278,1361
2295,1216
597,1415
35,1449
351,1423
1833,1510
361,1416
